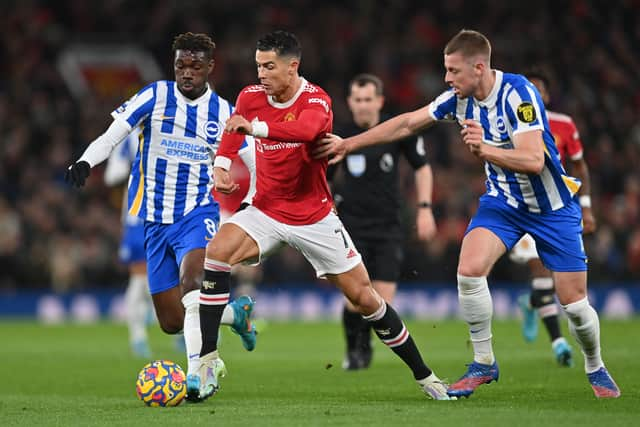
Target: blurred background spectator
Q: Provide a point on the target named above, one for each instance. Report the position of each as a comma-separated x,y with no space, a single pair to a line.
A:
50,241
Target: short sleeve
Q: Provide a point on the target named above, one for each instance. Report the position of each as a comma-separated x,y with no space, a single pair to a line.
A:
524,109
138,107
415,151
444,106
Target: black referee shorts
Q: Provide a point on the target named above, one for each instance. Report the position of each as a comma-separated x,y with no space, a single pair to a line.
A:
382,257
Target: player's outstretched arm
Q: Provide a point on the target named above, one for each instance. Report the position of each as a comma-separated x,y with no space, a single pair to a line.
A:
97,152
306,128
396,128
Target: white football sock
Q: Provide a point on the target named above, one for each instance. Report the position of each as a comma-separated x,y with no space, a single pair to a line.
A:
192,336
584,325
476,309
137,304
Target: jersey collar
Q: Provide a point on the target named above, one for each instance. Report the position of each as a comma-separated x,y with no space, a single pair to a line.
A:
199,100
493,95
290,102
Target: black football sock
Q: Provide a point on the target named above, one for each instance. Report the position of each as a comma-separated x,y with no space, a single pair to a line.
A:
391,330
214,296
543,300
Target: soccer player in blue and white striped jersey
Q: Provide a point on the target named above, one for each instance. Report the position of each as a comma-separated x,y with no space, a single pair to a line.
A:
504,124
181,123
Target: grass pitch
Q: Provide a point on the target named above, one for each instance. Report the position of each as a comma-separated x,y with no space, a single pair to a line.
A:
84,375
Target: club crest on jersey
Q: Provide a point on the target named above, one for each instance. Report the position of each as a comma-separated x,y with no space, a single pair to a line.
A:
356,164
212,129
289,117
526,113
501,126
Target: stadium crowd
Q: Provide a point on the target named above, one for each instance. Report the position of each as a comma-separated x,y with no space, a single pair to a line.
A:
591,49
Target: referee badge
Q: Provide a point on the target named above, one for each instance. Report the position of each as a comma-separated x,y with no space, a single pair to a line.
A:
526,113
356,164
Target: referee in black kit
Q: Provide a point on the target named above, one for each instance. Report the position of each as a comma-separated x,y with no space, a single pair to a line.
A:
367,198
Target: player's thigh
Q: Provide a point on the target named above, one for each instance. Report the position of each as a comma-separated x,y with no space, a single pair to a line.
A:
326,244
248,236
480,250
489,235
558,238
163,275
189,238
162,270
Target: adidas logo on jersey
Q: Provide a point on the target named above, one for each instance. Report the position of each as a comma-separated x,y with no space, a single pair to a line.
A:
351,253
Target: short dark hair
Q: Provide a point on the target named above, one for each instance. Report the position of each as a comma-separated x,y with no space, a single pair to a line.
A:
469,43
539,73
283,43
365,79
195,42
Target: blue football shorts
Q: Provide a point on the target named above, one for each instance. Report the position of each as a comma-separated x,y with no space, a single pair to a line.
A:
167,244
132,244
558,234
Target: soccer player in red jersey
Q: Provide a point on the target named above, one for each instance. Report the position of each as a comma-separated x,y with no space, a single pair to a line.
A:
541,302
286,114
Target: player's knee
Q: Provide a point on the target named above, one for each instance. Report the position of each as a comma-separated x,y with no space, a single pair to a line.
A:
170,327
366,300
191,282
541,297
172,323
218,252
471,269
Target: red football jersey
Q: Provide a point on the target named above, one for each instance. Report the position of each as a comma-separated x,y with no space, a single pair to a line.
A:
291,186
566,136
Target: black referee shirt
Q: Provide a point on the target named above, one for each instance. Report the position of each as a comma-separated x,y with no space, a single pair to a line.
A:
366,193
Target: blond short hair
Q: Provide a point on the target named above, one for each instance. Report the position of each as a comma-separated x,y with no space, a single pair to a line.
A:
469,43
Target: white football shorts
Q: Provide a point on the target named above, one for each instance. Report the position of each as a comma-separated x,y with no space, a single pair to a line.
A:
325,244
524,250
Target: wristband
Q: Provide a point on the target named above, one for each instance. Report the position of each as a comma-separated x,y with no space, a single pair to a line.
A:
424,205
260,129
222,162
585,201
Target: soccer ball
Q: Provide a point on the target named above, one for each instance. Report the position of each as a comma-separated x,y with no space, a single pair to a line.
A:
161,383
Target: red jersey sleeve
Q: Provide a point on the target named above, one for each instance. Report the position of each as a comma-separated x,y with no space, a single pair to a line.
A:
309,125
574,144
231,142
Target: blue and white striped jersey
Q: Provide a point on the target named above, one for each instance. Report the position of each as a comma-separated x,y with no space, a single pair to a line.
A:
172,171
513,106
